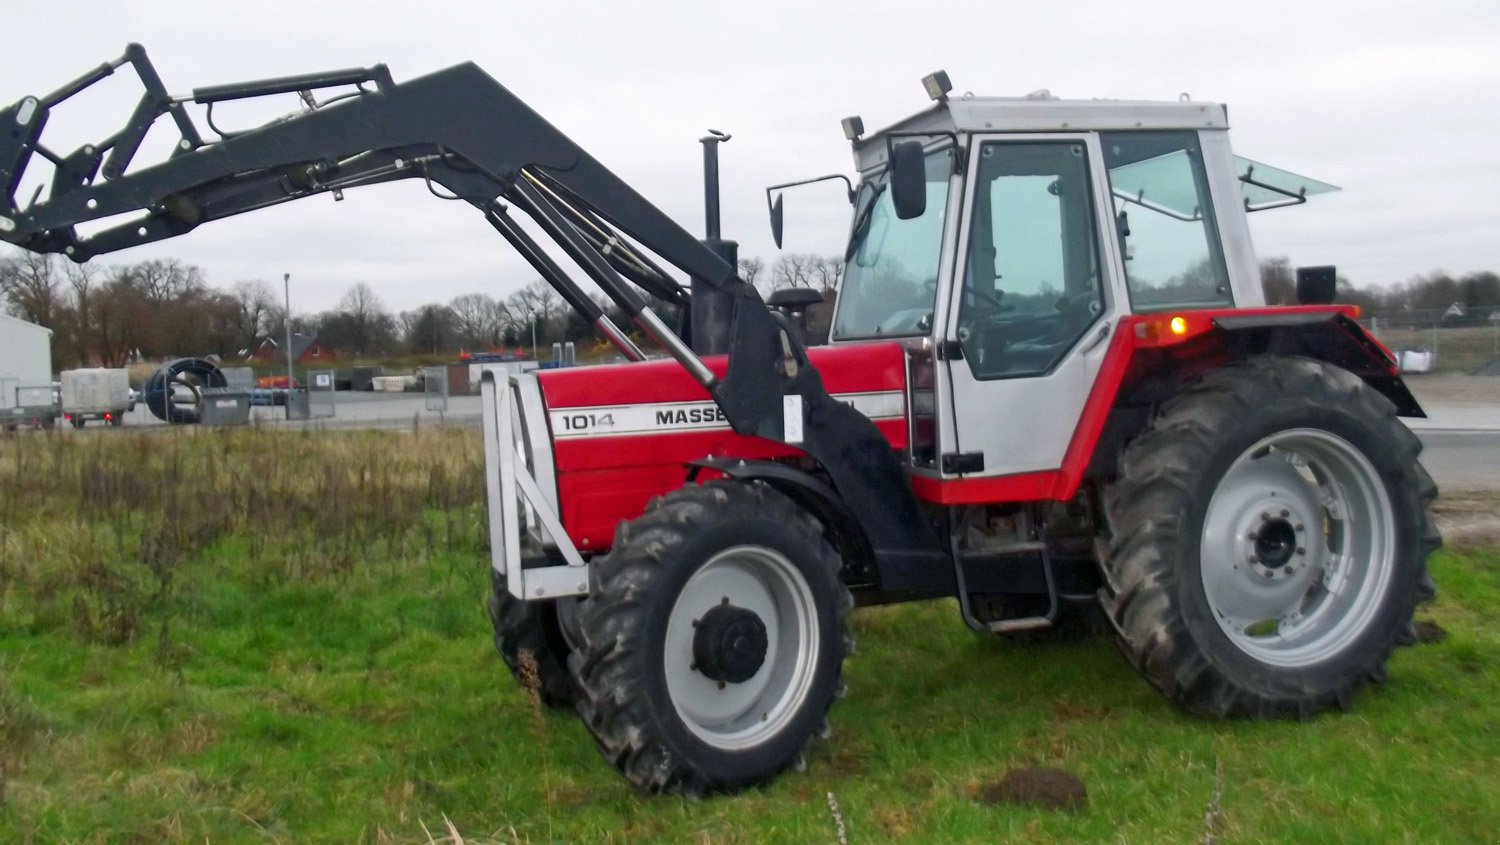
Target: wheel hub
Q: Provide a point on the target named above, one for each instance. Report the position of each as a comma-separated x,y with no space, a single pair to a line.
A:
729,643
1275,541
1297,547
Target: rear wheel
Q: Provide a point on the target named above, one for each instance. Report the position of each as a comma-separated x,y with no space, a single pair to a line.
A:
713,640
1270,540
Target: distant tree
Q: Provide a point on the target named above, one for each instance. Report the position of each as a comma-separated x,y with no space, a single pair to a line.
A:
793,270
751,270
257,312
360,325
431,329
1277,281
535,308
479,320
33,288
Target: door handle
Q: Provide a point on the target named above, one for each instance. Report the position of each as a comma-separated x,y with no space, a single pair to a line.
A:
1099,337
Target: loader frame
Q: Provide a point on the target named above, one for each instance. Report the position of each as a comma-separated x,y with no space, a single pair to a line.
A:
471,140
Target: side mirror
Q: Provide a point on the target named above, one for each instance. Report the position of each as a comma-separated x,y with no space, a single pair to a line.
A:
1317,285
776,221
908,180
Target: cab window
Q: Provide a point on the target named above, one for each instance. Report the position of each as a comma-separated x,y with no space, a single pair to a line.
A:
1164,217
1032,283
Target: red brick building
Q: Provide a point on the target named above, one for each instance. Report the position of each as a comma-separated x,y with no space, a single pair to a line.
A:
307,350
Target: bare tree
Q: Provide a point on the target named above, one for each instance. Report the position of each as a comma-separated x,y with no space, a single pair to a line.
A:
826,272
793,270
32,288
256,310
751,270
82,282
162,280
361,321
537,299
480,320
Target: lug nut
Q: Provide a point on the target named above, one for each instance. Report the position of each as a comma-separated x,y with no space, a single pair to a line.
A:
1265,517
721,685
1299,526
1285,514
1288,570
1301,551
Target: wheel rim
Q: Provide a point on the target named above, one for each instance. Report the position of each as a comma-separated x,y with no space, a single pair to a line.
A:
730,715
1298,547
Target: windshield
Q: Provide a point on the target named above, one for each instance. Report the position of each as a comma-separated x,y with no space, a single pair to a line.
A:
891,280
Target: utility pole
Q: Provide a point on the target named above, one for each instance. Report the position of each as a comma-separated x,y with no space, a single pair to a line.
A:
534,356
286,281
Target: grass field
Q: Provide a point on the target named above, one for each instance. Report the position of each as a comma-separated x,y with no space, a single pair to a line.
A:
275,637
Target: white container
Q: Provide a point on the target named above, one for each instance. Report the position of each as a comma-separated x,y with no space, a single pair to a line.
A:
95,392
1414,361
25,359
391,384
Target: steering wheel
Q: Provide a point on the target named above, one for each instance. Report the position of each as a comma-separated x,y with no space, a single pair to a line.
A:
991,330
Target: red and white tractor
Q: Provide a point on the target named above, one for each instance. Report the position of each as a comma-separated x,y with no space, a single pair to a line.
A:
1051,388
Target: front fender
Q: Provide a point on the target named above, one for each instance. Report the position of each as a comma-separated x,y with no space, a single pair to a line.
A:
813,494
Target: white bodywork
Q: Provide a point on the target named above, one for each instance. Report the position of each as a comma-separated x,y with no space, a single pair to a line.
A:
25,362
521,489
95,391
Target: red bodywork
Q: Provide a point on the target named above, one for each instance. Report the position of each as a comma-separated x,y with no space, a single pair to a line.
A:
604,479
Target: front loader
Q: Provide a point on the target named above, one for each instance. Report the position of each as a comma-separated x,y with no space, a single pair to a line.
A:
1051,388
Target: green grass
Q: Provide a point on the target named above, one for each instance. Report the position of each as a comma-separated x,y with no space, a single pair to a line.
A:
309,670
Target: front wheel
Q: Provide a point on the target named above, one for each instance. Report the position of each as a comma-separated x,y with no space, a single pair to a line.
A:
1270,540
712,641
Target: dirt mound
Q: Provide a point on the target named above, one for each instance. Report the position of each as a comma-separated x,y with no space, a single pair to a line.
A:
1429,631
1037,786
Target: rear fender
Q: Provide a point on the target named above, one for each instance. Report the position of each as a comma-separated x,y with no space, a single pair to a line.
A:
1335,339
1157,370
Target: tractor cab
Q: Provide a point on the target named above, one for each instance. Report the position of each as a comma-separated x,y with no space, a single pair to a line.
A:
1004,239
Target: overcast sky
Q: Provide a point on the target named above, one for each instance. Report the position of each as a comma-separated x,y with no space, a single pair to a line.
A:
1396,102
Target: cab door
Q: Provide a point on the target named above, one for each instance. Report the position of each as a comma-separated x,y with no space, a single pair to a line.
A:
1038,288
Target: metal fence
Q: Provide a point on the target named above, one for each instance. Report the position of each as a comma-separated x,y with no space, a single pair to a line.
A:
320,386
435,388
1447,341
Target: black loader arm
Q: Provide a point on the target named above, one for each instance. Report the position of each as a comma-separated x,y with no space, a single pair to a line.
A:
471,140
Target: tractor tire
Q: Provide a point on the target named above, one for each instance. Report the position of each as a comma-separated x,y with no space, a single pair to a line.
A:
527,627
712,641
1270,540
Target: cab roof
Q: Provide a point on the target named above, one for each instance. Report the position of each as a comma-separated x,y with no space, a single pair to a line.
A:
1042,112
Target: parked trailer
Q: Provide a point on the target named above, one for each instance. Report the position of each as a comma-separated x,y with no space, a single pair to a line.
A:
26,396
96,393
